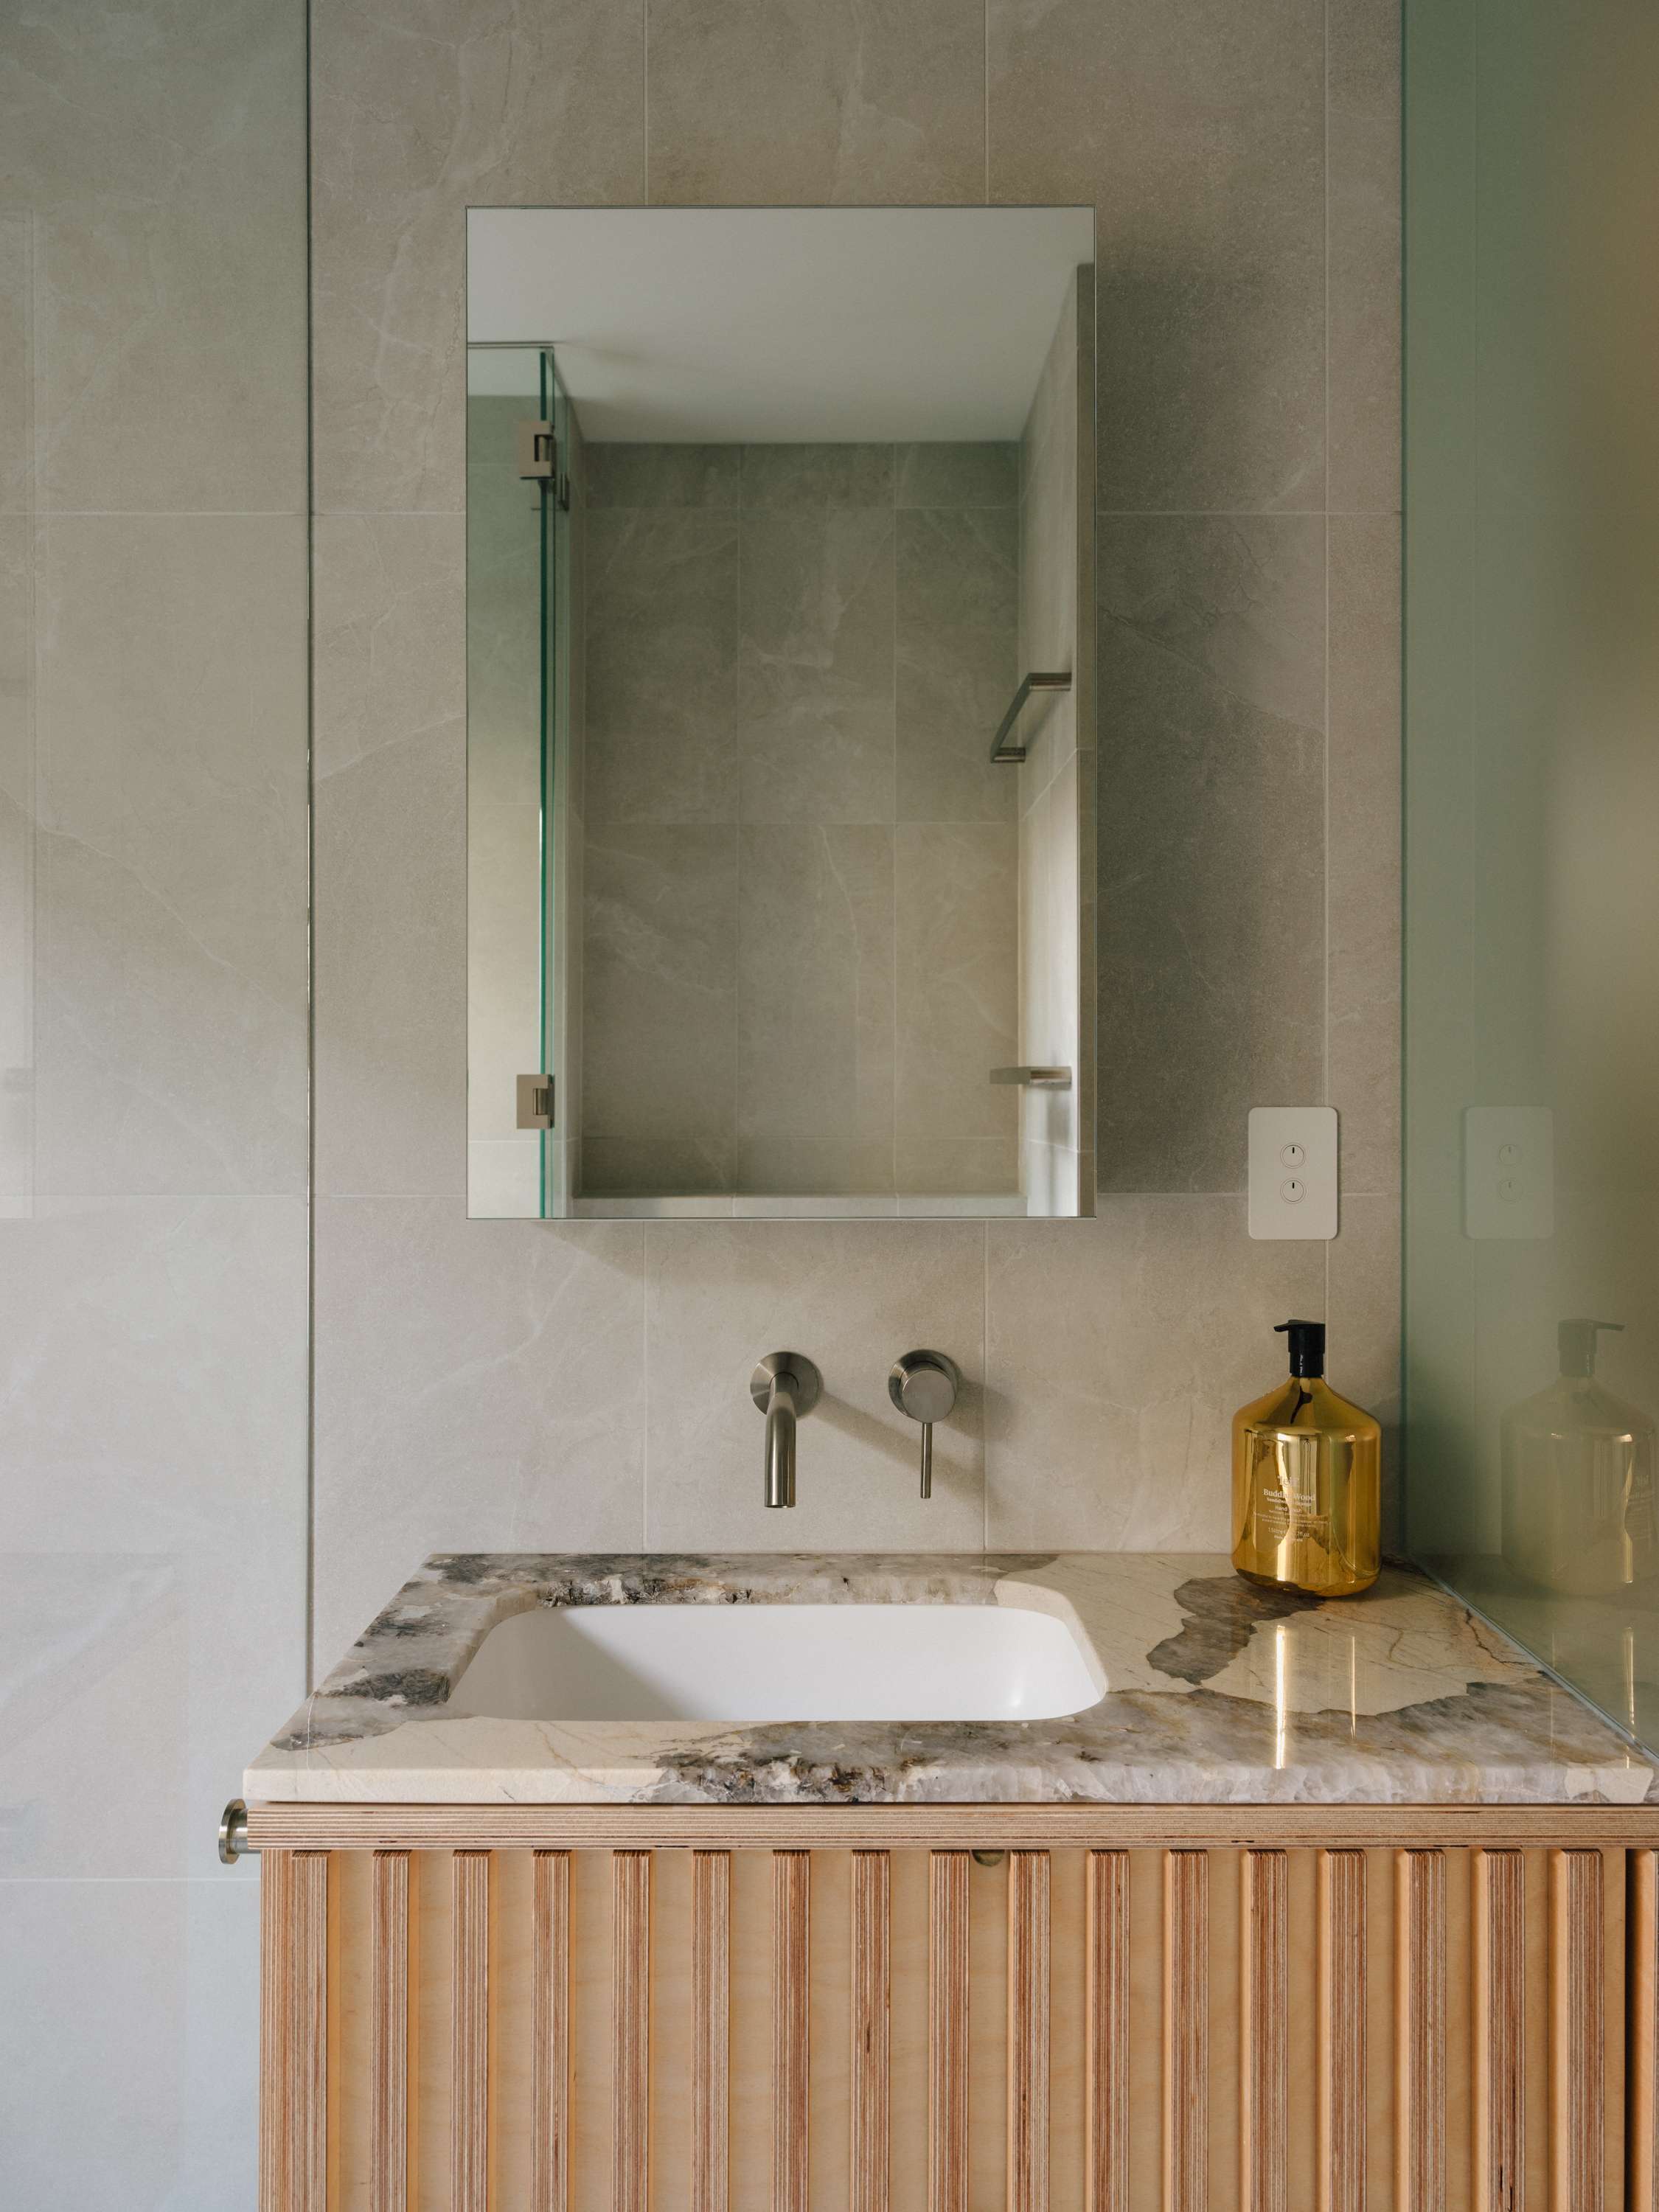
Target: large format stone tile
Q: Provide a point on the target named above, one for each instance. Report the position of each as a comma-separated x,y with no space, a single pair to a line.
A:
663,476
160,154
815,1024
170,969
417,114
816,666
1364,858
390,897
16,861
478,1385
957,927
1364,305
815,100
852,1296
150,1990
153,1520
389,858
390,642
1363,1312
1117,1351
1212,840
959,568
660,917
17,320
789,476
1198,132
940,473
662,665
952,689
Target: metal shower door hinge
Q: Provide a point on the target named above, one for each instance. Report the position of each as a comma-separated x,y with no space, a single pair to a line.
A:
539,459
538,451
535,1102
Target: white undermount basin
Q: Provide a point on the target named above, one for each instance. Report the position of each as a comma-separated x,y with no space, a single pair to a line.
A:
777,1663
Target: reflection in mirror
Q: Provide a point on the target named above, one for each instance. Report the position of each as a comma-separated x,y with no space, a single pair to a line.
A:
780,724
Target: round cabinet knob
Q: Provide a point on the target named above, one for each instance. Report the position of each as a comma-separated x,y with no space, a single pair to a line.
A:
924,1385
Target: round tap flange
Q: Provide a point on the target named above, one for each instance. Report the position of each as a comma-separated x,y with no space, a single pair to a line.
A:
808,1383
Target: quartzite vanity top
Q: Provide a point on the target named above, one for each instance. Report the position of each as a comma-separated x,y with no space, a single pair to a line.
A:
1219,1693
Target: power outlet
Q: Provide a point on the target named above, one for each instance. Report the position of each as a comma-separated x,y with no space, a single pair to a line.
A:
1509,1171
1293,1172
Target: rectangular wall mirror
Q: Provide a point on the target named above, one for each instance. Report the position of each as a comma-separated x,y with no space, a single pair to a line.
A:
780,770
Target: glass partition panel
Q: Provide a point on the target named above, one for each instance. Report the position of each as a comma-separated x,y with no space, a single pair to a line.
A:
519,854
1532,926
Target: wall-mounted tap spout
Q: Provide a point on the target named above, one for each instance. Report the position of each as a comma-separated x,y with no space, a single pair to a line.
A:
785,1386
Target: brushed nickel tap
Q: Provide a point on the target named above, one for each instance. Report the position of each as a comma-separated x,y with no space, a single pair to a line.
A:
924,1385
785,1386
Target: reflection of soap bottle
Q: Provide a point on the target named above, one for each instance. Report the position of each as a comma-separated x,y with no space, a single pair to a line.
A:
1578,1505
1307,1481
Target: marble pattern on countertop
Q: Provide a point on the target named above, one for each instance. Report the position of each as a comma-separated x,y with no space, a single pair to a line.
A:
1214,1692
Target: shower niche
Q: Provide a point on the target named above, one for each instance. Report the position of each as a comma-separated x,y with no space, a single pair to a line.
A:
781,716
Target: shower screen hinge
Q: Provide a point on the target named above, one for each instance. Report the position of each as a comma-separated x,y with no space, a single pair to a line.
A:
539,459
535,1102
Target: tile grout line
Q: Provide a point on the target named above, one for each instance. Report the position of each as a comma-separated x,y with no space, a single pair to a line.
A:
644,1386
741,750
308,1658
1325,853
984,1387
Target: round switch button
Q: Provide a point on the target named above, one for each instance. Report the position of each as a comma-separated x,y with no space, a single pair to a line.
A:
1293,1155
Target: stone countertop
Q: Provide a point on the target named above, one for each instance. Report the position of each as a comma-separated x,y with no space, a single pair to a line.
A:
1218,1693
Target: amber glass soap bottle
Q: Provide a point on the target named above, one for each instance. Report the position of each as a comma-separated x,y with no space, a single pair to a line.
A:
1307,1481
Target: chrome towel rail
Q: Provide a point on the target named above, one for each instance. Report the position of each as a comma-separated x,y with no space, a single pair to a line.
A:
233,1832
1035,1079
1054,679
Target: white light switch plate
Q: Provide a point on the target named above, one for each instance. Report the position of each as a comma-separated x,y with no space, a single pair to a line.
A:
1509,1171
1293,1171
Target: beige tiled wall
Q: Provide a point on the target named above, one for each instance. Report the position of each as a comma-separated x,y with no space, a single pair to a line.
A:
481,1382
153,1084
801,912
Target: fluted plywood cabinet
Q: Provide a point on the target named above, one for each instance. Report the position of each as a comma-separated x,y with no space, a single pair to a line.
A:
739,2020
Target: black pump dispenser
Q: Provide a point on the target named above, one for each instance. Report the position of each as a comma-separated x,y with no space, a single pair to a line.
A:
1307,1346
1577,1341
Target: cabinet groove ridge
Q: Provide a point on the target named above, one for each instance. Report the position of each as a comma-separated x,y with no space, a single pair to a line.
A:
1185,2031
1642,2030
1498,2029
1420,2026
869,2118
711,2029
1029,1887
549,2033
469,2138
1342,2040
630,2029
1106,2064
792,1890
1264,1992
1577,2060
293,2153
947,2032
390,1987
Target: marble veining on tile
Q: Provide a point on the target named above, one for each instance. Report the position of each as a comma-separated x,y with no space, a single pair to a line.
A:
1216,1692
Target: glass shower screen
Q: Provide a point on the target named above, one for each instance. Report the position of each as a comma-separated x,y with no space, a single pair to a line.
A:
521,857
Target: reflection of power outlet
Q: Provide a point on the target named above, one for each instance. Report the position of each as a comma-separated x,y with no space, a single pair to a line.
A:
1293,1171
1509,1171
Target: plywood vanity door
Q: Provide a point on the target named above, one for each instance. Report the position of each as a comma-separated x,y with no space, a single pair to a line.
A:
1203,2029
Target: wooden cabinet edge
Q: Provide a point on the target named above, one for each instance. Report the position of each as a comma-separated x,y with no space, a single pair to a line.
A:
359,1827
